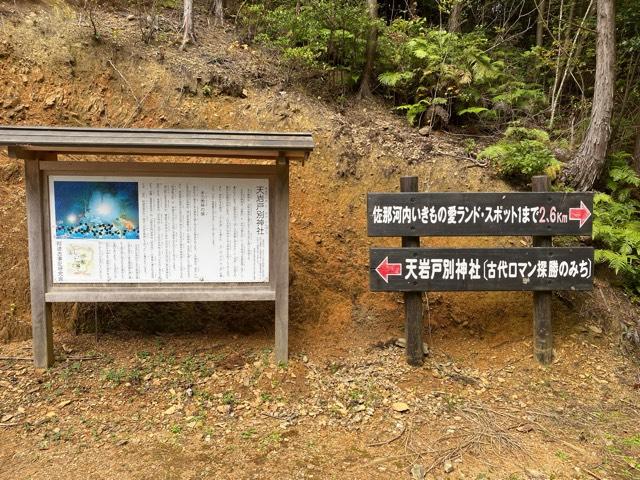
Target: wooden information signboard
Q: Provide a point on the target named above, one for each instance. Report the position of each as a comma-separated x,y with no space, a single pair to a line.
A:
155,232
541,269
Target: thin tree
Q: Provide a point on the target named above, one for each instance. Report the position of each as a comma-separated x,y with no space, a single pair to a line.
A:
636,151
188,34
454,24
540,25
589,162
370,55
218,12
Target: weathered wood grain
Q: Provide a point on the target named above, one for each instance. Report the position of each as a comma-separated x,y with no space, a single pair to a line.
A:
412,300
293,146
42,330
280,253
542,327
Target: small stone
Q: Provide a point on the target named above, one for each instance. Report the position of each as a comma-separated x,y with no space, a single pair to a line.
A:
402,343
50,101
400,407
318,239
425,131
418,472
171,410
305,359
596,330
524,428
535,474
131,18
448,467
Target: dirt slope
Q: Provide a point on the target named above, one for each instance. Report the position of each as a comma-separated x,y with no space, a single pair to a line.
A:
55,74
212,404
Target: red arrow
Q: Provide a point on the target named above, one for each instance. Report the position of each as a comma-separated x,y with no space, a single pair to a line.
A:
581,213
386,269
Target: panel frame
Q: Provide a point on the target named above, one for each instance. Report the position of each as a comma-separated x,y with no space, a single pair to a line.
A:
157,292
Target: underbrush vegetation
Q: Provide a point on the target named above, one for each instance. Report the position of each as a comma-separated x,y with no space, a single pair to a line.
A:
616,224
522,153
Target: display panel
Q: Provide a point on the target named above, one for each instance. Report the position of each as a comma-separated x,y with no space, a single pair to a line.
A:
159,229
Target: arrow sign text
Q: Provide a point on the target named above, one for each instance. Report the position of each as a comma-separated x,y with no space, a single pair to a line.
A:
448,269
463,214
582,214
385,269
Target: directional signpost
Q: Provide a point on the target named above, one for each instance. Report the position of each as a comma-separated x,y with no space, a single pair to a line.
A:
478,269
465,214
541,268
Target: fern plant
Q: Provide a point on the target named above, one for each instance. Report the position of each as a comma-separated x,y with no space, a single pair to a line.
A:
436,67
616,223
522,153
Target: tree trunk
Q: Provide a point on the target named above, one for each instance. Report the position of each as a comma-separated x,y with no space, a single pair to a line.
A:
372,45
455,17
636,152
218,12
542,11
587,165
188,34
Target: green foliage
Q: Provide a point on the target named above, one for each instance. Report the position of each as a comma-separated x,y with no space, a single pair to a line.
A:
321,36
229,398
522,153
425,64
616,223
422,63
518,134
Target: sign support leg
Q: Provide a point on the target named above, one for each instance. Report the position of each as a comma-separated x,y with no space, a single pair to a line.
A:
281,257
42,330
412,300
542,332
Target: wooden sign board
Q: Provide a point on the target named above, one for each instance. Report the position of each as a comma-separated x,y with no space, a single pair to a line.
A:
156,232
464,214
478,269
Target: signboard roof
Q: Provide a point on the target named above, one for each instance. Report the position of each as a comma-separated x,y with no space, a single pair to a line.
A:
228,144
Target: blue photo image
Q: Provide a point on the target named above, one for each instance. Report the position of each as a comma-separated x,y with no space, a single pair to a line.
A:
96,210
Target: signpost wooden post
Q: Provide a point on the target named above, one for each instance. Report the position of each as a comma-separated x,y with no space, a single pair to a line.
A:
412,300
540,269
542,332
156,232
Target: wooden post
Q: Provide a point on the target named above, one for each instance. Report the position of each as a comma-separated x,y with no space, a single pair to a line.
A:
412,300
40,310
280,251
542,333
